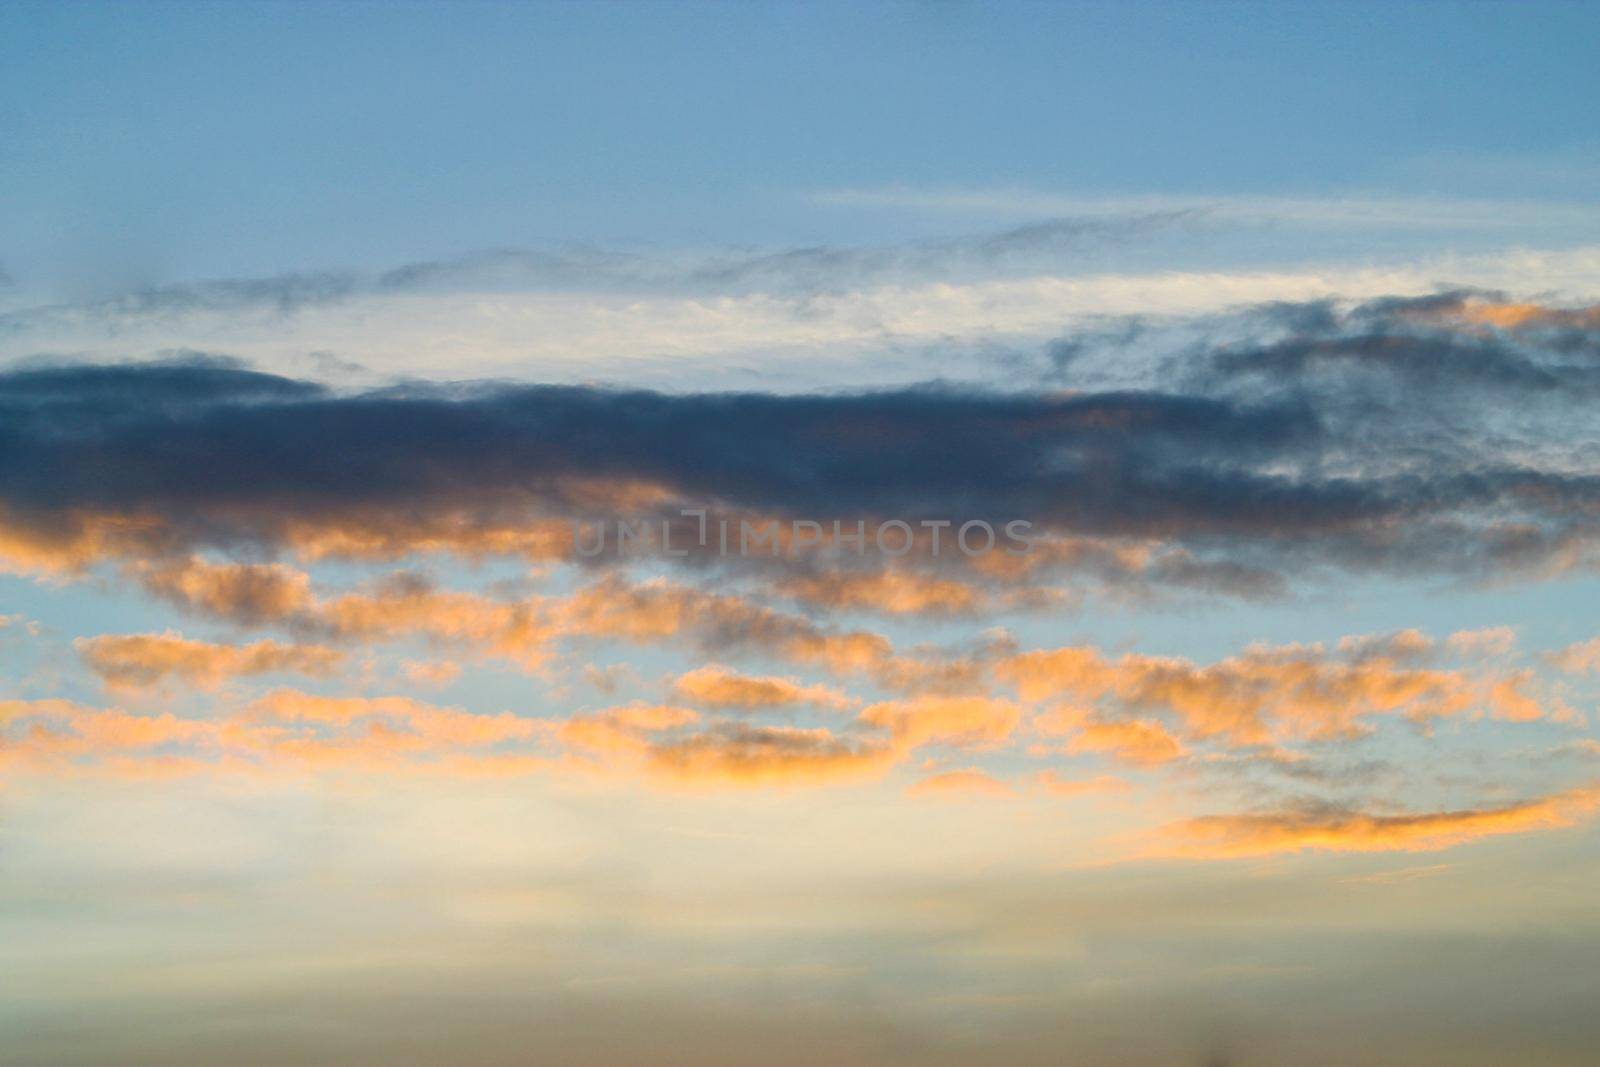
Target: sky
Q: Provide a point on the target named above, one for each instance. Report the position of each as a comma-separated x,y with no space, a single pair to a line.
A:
431,438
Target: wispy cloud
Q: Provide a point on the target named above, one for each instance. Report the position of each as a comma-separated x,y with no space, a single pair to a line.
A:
1349,210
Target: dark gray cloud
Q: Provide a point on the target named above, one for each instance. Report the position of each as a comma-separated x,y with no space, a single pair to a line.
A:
1384,436
189,435
1443,349
1414,343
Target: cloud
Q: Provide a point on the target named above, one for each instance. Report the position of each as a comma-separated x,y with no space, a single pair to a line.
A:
1340,830
408,604
141,661
54,736
892,592
1494,310
587,270
281,294
1452,340
98,440
1485,641
1136,742
399,605
832,315
521,630
290,731
836,268
1246,459
284,730
717,687
247,593
669,745
1262,696
742,754
1151,713
382,722
624,731
1582,657
16,622
1354,210
961,721
718,623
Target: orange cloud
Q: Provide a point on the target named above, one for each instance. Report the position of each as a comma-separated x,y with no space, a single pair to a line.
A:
1269,693
1507,316
898,592
239,592
717,687
623,731
71,542
61,728
1341,830
1139,742
514,631
1486,641
519,631
964,721
402,605
119,730
741,754
387,535
659,742
1580,658
430,724
659,610
136,661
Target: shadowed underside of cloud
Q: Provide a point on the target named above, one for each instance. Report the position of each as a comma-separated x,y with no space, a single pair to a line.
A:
198,437
1449,342
1439,432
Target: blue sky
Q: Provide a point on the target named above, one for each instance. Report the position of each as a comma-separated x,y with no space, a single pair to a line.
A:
180,142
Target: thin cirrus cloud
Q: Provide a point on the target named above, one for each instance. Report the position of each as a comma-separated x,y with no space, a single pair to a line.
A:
1349,211
795,318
